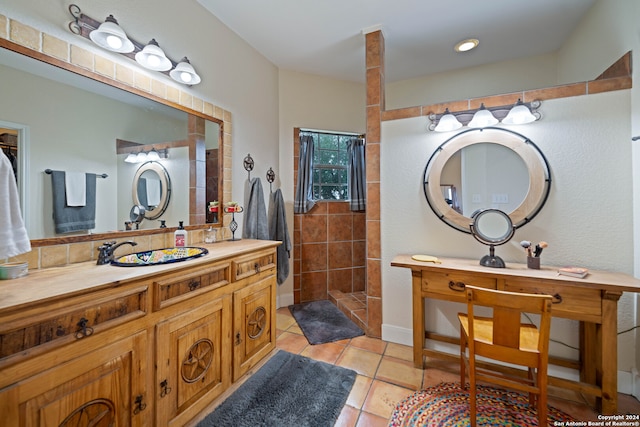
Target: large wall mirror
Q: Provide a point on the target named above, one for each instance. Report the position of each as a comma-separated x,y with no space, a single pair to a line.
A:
69,121
486,168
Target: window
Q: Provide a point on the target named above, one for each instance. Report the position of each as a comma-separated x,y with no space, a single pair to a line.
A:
330,165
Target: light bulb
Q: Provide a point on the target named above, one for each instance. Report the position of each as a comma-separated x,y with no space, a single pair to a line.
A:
186,77
114,42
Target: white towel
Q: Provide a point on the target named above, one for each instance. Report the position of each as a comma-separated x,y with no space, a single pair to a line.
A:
153,192
75,186
13,235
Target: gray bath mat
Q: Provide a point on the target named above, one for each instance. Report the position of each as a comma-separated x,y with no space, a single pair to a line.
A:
288,391
322,322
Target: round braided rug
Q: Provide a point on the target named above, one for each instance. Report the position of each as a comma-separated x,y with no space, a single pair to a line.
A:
448,405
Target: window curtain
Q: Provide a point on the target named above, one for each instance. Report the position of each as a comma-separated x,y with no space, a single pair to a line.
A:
357,176
304,185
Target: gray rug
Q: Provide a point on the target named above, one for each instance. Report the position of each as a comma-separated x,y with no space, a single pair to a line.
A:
323,322
289,390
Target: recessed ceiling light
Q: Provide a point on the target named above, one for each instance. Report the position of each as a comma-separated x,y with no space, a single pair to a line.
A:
466,45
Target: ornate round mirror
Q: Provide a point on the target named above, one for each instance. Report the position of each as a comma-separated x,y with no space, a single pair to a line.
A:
490,168
492,227
152,189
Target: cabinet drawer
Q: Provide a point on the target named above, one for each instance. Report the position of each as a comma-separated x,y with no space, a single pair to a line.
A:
41,329
570,302
452,284
178,287
253,264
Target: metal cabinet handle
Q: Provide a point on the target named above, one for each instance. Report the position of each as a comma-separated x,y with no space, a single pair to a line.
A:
557,299
257,267
84,330
456,286
238,339
139,405
164,388
194,284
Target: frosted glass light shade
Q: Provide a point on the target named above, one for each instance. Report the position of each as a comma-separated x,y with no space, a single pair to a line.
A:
519,115
153,156
110,36
185,73
448,122
141,157
131,158
152,57
482,118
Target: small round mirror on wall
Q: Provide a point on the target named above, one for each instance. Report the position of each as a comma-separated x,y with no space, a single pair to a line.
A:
490,168
492,227
151,189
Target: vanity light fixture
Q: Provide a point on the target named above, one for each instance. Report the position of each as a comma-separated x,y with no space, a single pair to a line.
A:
147,156
109,35
185,73
153,156
447,122
520,113
152,57
482,118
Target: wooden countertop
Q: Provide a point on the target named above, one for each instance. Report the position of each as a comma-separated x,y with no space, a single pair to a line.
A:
605,280
76,279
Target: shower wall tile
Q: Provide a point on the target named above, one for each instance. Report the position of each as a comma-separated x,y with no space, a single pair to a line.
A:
340,227
314,228
359,253
359,226
315,287
341,280
314,257
359,279
340,255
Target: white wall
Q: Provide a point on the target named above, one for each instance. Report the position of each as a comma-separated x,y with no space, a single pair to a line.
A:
314,102
502,77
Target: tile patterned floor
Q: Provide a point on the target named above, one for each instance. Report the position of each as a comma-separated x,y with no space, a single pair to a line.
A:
386,375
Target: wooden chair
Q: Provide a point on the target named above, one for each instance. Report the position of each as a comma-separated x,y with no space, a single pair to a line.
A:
503,337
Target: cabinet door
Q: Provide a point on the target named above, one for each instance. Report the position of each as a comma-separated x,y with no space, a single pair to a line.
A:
193,361
253,324
104,387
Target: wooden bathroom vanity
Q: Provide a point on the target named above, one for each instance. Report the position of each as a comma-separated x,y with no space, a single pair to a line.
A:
593,301
140,346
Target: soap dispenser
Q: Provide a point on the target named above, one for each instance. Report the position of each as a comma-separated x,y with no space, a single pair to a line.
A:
180,235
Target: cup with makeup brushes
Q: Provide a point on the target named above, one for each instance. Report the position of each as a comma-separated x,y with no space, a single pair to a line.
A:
533,253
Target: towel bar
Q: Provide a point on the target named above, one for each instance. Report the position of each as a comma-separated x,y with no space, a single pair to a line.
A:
98,175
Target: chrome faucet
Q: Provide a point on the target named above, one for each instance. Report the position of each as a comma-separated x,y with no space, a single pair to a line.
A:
106,250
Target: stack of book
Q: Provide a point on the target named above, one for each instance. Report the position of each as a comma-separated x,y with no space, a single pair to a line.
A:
578,272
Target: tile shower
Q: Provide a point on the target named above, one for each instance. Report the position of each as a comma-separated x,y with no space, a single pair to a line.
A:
329,257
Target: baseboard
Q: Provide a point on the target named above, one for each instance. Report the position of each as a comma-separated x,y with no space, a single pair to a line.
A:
284,300
628,382
398,335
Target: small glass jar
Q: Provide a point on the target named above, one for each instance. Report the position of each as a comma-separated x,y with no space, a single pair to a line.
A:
210,235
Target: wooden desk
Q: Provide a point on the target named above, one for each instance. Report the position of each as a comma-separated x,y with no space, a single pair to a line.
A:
593,301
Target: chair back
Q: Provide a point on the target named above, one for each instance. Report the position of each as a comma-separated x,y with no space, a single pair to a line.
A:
507,340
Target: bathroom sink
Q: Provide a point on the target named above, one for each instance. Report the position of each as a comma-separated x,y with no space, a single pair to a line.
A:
159,256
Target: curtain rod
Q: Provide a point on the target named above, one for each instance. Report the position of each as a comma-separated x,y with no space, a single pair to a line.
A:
329,132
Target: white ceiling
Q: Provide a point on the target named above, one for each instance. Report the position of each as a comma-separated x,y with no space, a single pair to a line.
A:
324,37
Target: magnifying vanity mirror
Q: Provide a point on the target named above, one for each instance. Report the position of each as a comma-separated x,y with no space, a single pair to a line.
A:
152,189
492,227
490,168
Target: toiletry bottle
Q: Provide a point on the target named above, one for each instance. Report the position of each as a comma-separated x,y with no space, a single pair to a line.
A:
180,235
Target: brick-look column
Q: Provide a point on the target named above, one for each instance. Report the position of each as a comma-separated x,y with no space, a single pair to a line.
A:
375,106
